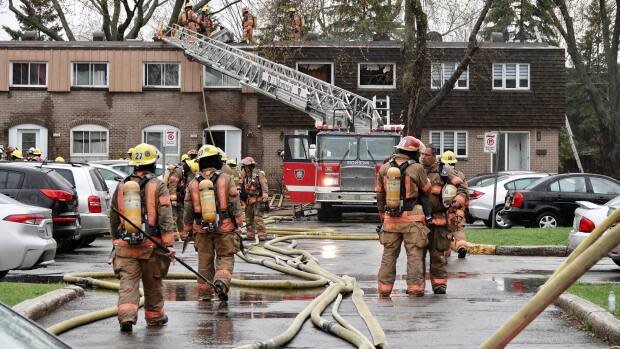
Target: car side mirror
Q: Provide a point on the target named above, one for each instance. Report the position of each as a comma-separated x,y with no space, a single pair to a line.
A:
118,178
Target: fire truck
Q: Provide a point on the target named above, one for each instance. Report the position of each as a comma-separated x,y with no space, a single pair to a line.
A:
339,174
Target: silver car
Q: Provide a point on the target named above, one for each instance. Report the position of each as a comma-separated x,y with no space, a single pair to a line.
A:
481,196
93,199
124,166
587,217
26,241
111,175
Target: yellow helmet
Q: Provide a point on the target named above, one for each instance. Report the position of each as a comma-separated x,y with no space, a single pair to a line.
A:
143,154
59,159
17,153
448,157
206,151
37,152
232,162
193,166
291,9
222,154
205,9
184,157
189,3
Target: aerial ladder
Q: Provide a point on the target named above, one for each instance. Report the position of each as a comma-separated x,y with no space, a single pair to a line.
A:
326,103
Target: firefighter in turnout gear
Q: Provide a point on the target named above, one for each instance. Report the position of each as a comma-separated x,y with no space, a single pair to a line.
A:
456,217
400,183
441,233
188,18
210,215
144,200
206,23
254,192
248,23
175,180
297,23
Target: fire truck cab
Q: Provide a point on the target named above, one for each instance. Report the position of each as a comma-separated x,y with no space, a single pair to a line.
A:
339,175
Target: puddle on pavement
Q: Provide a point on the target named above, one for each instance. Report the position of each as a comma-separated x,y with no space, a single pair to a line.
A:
519,285
187,291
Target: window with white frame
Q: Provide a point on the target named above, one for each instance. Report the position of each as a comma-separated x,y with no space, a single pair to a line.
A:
376,75
28,74
216,79
442,72
89,142
511,76
382,105
319,70
90,74
455,141
162,75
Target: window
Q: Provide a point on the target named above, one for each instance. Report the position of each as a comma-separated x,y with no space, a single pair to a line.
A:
90,75
569,185
161,75
66,174
376,75
450,140
441,72
227,137
107,174
214,78
29,74
97,180
519,183
89,142
604,186
511,76
382,104
154,135
11,180
319,70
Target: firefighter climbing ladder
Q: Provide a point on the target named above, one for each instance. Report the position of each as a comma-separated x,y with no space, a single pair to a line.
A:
315,97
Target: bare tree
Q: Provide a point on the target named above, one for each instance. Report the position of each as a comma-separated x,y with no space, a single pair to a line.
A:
416,58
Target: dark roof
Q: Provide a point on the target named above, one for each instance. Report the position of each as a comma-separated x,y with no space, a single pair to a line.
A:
296,44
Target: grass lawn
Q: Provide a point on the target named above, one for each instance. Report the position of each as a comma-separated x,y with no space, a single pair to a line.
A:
597,294
12,293
519,236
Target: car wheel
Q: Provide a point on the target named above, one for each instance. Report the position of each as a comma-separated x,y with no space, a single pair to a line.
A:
3,274
487,222
617,261
547,220
500,222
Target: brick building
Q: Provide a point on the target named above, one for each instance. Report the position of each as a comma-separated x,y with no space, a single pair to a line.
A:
94,100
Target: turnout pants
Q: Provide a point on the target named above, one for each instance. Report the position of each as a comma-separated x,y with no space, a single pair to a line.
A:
415,240
438,266
254,221
151,269
216,259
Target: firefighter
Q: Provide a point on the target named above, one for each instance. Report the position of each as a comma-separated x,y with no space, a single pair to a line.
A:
188,18
175,181
297,23
398,186
210,215
128,153
254,192
36,155
444,182
29,154
206,24
232,163
456,218
145,200
16,155
59,159
192,153
248,23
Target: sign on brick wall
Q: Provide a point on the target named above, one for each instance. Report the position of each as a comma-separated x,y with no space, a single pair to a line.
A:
171,138
490,142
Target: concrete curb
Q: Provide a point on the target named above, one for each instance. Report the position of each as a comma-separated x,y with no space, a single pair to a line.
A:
43,305
542,251
600,321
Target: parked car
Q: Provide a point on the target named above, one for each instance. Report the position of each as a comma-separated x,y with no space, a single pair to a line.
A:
587,217
551,201
44,187
111,175
124,166
18,332
481,196
475,180
26,241
93,199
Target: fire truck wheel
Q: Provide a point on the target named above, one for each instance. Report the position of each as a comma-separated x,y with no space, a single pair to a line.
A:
329,214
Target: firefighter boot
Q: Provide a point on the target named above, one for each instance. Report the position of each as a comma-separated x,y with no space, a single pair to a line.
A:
221,289
158,322
439,290
462,251
127,326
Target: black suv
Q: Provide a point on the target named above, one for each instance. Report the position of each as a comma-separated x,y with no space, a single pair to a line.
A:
43,187
551,201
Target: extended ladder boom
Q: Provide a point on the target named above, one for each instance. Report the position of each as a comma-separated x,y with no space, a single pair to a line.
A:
319,99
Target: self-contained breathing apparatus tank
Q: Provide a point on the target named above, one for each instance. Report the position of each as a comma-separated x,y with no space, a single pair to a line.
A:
392,191
133,211
208,205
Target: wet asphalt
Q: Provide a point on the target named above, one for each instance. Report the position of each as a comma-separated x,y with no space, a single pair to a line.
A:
483,292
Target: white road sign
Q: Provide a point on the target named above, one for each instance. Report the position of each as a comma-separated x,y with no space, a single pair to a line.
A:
490,142
171,138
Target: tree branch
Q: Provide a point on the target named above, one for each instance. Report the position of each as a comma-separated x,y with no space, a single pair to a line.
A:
115,18
34,21
129,14
176,11
63,20
225,7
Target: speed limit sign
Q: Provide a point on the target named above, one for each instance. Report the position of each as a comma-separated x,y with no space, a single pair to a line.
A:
490,142
171,138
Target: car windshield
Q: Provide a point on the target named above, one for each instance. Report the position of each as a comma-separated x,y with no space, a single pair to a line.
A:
376,148
337,148
613,202
535,183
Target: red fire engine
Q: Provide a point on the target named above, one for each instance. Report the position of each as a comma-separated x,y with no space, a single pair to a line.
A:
338,172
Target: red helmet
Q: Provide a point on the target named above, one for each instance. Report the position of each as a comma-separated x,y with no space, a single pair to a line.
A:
248,161
409,143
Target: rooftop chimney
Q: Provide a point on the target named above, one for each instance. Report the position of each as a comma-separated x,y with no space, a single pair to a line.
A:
98,36
29,35
497,37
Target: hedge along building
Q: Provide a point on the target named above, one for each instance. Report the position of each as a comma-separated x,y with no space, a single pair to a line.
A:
94,100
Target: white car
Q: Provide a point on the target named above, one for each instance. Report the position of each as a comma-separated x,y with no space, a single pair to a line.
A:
26,241
481,196
587,217
124,166
111,175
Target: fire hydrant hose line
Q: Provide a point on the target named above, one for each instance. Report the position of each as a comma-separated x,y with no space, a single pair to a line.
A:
286,259
582,260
